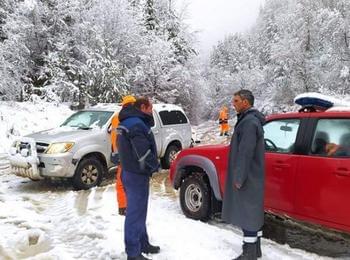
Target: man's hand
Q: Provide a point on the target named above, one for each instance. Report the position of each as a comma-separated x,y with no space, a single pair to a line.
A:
237,185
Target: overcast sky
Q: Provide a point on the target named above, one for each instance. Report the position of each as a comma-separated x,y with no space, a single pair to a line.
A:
217,18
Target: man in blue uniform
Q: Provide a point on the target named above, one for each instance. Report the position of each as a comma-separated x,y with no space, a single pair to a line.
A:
138,155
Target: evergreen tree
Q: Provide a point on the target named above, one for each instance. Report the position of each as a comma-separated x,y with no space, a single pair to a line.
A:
295,46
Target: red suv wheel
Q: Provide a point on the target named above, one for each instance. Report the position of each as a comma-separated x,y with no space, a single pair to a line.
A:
195,197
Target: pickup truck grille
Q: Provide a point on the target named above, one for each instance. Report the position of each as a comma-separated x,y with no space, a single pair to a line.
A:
40,147
24,145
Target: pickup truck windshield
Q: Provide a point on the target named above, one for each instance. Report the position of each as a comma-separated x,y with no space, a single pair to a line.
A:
88,119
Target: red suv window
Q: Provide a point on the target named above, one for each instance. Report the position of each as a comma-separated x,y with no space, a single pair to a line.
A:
280,135
331,138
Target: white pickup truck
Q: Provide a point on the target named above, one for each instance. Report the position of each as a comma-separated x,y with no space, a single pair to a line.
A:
80,148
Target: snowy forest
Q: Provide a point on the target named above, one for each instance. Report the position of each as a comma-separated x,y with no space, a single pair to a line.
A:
89,51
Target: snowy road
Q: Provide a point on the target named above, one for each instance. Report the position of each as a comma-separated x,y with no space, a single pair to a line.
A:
47,220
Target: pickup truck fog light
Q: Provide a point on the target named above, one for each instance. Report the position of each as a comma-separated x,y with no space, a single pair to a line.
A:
59,148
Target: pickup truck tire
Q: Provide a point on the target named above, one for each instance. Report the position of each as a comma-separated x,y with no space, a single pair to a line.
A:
195,197
88,174
169,156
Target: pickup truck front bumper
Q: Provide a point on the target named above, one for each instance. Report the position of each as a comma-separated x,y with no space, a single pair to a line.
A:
26,162
57,165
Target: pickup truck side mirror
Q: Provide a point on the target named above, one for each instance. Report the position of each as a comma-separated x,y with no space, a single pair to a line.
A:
194,142
109,129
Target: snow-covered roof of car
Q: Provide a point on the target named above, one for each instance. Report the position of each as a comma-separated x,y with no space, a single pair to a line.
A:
117,107
316,102
339,109
105,107
168,107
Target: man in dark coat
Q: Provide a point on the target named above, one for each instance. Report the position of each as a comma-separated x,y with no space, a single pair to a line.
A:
138,155
243,203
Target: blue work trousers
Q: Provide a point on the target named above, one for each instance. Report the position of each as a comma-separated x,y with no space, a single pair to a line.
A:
135,233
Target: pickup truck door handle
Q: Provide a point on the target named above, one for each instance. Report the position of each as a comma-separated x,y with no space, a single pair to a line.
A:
281,164
155,131
342,172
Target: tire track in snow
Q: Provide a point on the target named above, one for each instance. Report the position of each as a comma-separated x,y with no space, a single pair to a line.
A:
67,234
52,218
24,230
78,228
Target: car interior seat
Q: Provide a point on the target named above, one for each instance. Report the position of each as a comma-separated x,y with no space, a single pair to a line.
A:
344,145
320,141
345,140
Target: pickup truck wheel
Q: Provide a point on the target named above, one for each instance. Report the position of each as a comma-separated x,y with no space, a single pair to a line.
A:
169,156
88,174
195,197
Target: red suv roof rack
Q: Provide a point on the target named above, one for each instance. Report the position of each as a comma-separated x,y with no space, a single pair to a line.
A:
310,109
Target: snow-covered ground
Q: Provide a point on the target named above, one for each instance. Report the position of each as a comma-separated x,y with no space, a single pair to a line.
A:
47,220
17,119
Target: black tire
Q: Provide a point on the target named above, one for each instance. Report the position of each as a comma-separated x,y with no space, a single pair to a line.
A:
169,156
88,174
195,197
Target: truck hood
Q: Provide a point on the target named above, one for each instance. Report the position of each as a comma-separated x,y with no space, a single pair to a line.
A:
203,149
61,134
209,146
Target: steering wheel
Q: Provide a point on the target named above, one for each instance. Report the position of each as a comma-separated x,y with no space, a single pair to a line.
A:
271,145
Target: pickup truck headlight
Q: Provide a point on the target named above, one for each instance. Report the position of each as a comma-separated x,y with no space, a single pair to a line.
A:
59,148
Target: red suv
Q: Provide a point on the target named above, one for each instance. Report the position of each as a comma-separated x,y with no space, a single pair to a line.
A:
307,170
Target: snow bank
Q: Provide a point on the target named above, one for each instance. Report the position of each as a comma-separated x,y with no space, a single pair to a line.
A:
18,119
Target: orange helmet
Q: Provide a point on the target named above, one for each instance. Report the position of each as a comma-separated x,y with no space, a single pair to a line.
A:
128,99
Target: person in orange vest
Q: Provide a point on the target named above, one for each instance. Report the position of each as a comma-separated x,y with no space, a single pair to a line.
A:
121,197
223,121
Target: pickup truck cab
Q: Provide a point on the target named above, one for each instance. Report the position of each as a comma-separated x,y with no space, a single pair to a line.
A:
80,148
307,169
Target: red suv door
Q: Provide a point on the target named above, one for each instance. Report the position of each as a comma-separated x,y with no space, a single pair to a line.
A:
281,164
323,176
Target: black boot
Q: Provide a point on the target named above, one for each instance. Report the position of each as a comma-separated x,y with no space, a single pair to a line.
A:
249,252
150,249
139,257
258,248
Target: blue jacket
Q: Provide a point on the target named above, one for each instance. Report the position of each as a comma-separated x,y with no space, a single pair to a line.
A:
136,145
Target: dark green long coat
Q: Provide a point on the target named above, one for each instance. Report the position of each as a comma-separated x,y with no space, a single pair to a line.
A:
244,207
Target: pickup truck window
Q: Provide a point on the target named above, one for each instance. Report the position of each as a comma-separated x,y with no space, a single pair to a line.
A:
88,119
172,117
280,135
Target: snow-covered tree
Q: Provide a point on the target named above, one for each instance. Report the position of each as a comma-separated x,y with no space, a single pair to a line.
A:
81,50
295,46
